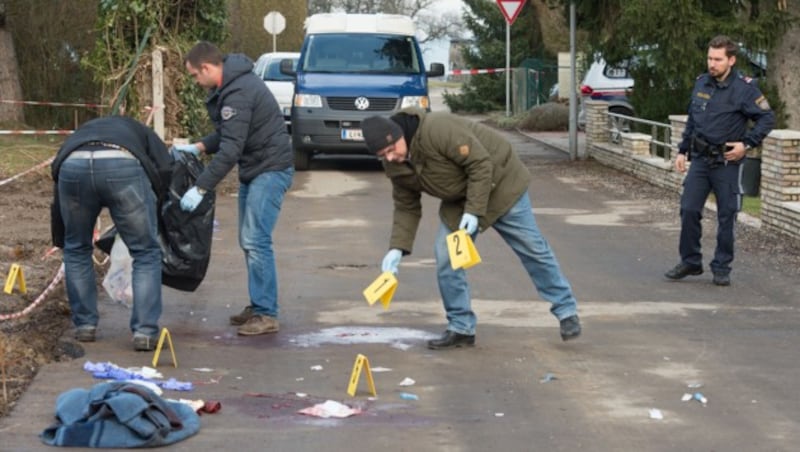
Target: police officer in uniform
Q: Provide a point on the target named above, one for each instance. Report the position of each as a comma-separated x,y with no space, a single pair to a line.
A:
716,140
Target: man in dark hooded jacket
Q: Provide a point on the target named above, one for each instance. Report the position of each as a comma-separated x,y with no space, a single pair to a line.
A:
482,183
250,131
118,163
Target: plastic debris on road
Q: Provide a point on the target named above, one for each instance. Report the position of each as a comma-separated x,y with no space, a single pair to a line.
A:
111,371
381,369
408,396
330,408
700,397
407,382
547,378
316,368
655,413
686,397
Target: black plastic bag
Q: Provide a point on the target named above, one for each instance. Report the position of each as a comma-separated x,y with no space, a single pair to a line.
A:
185,237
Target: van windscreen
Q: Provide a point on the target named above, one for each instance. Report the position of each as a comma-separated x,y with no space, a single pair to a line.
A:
361,53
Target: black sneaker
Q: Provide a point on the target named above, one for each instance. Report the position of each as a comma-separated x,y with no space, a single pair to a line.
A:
682,270
85,333
570,328
722,279
451,339
143,342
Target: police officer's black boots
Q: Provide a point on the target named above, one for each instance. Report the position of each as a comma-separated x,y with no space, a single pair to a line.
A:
682,270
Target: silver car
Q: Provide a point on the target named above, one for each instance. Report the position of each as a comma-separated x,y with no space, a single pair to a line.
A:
281,85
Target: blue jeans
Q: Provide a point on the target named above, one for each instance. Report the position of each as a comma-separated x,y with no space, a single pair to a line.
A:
519,230
259,205
85,186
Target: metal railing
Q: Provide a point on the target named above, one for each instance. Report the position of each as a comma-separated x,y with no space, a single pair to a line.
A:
619,123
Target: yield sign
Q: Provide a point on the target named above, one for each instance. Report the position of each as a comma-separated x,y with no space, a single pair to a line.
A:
510,9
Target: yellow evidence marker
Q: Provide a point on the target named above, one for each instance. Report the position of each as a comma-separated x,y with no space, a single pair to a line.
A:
15,273
361,363
463,253
164,335
382,288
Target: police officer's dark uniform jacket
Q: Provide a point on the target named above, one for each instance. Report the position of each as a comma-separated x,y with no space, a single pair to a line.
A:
719,112
250,128
467,165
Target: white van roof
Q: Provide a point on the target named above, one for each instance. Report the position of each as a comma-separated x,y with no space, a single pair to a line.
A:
360,23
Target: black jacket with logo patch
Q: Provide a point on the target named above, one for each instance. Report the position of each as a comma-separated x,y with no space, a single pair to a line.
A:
249,124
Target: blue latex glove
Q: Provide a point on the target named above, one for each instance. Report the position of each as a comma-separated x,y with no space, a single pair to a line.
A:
188,148
191,199
392,260
469,222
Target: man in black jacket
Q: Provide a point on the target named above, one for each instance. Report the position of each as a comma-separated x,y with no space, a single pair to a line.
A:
250,131
118,163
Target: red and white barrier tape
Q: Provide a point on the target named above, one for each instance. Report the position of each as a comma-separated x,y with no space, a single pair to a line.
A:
56,279
475,71
51,104
40,165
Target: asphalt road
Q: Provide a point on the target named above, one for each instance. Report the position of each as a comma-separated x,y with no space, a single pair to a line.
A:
646,341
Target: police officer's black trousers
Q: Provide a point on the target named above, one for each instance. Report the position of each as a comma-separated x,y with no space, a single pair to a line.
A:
725,182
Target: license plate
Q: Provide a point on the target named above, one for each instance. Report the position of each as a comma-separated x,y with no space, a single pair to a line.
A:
352,135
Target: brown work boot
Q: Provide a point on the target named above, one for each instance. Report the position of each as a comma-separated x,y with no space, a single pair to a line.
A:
242,317
259,324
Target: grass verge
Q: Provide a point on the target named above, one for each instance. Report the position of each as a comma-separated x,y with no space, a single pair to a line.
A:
19,153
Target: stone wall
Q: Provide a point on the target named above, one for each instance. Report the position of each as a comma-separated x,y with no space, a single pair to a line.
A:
780,165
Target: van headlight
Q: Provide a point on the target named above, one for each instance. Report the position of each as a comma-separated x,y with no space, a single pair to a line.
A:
308,100
415,101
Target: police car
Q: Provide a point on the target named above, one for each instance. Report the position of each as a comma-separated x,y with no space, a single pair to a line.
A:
612,84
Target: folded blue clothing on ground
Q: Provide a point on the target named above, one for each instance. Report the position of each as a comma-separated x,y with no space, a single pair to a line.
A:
119,414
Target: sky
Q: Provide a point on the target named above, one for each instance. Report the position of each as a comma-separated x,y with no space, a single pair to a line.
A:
438,51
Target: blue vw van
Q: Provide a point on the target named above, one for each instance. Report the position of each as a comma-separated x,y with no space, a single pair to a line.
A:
353,66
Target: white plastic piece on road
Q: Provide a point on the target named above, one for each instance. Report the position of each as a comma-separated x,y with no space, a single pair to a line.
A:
655,413
330,408
407,382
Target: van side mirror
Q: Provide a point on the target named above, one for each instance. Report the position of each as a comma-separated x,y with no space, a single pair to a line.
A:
437,70
287,67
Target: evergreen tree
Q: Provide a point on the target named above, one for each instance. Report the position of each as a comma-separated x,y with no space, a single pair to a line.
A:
485,21
668,41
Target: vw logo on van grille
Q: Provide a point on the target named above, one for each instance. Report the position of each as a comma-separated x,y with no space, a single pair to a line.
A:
361,103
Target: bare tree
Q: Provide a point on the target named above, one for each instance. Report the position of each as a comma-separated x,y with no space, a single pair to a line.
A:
10,88
433,25
783,64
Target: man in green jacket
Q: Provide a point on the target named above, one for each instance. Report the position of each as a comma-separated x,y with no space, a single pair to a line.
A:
482,183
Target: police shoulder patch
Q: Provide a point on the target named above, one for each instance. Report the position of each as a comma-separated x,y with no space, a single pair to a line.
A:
463,150
762,103
227,113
